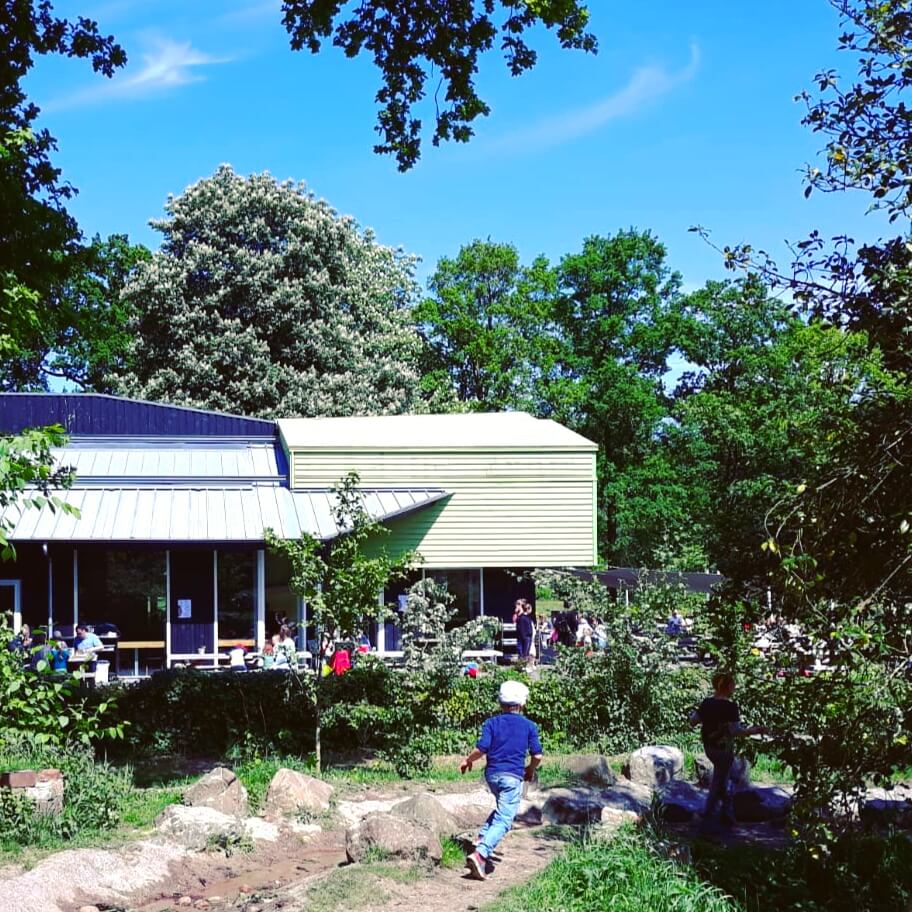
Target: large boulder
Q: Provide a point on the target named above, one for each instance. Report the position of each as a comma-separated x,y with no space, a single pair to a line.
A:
680,801
739,776
197,827
221,790
571,806
591,768
291,792
757,805
655,766
427,810
391,836
471,809
625,801
888,807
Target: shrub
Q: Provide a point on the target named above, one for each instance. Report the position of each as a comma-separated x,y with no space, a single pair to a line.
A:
94,799
625,873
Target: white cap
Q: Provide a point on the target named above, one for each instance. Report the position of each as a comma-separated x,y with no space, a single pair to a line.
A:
512,693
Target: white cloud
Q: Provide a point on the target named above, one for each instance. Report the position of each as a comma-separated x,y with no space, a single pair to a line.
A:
647,84
167,65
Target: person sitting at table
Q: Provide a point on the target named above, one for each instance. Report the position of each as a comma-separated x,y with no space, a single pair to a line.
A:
40,652
286,645
60,656
268,657
85,640
237,657
22,641
675,625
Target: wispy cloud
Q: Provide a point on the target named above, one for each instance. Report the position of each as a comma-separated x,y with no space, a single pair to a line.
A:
166,66
647,84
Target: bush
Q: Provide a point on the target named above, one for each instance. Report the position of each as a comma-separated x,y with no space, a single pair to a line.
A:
94,798
625,873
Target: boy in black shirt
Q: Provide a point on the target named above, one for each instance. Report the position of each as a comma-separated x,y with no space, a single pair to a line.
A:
720,719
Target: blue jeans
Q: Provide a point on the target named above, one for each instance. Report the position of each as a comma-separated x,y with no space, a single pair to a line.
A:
719,795
507,790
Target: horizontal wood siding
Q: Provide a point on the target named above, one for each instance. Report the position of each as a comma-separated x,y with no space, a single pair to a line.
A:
506,509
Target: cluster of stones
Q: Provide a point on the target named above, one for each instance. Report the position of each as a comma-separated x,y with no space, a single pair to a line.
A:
44,788
653,778
217,808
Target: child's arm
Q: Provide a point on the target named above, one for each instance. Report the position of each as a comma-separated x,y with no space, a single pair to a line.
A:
534,763
466,765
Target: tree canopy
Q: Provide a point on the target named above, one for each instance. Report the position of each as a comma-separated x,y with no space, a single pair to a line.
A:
263,300
38,237
435,40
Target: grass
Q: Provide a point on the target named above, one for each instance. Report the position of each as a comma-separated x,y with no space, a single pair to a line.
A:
868,874
453,853
359,885
623,875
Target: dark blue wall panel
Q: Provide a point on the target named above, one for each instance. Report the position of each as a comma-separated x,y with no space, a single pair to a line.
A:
96,414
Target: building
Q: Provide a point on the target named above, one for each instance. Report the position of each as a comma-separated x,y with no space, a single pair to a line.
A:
168,545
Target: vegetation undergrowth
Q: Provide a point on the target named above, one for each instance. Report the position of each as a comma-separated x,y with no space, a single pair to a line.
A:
625,873
871,873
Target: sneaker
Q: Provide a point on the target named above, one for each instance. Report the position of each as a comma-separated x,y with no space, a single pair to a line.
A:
489,867
476,865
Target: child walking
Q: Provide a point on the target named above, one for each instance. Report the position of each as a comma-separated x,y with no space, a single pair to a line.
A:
505,740
720,720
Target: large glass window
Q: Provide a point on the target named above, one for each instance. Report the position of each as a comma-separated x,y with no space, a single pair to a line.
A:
281,602
236,597
465,587
126,590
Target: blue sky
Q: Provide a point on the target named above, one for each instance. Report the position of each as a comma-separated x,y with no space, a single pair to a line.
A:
686,116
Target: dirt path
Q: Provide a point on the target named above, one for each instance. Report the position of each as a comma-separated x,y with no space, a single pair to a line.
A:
522,855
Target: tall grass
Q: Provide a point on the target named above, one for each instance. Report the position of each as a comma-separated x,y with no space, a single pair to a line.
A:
623,875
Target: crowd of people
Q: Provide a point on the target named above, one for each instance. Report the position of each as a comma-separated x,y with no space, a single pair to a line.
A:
41,655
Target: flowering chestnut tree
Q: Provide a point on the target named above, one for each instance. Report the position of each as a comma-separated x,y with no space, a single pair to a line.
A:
264,301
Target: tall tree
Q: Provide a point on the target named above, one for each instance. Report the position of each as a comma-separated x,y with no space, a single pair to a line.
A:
38,237
94,343
263,300
841,539
436,39
616,296
485,327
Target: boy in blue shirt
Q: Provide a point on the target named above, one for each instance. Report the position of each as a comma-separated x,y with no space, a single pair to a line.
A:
505,740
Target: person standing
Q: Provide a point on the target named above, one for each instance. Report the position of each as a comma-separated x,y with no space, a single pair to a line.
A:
525,628
505,740
720,721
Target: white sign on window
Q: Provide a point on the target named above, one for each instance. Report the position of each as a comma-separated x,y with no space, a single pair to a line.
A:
184,609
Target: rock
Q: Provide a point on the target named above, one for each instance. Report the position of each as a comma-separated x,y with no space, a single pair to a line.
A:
571,806
680,801
756,805
627,797
202,905
185,901
196,827
221,790
591,768
426,809
397,837
471,809
89,909
740,773
655,766
530,812
291,792
43,788
260,830
888,807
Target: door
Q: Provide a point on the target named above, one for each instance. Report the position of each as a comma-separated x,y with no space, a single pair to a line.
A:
191,608
11,602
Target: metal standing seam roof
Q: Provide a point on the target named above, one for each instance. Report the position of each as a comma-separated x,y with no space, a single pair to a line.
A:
155,490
